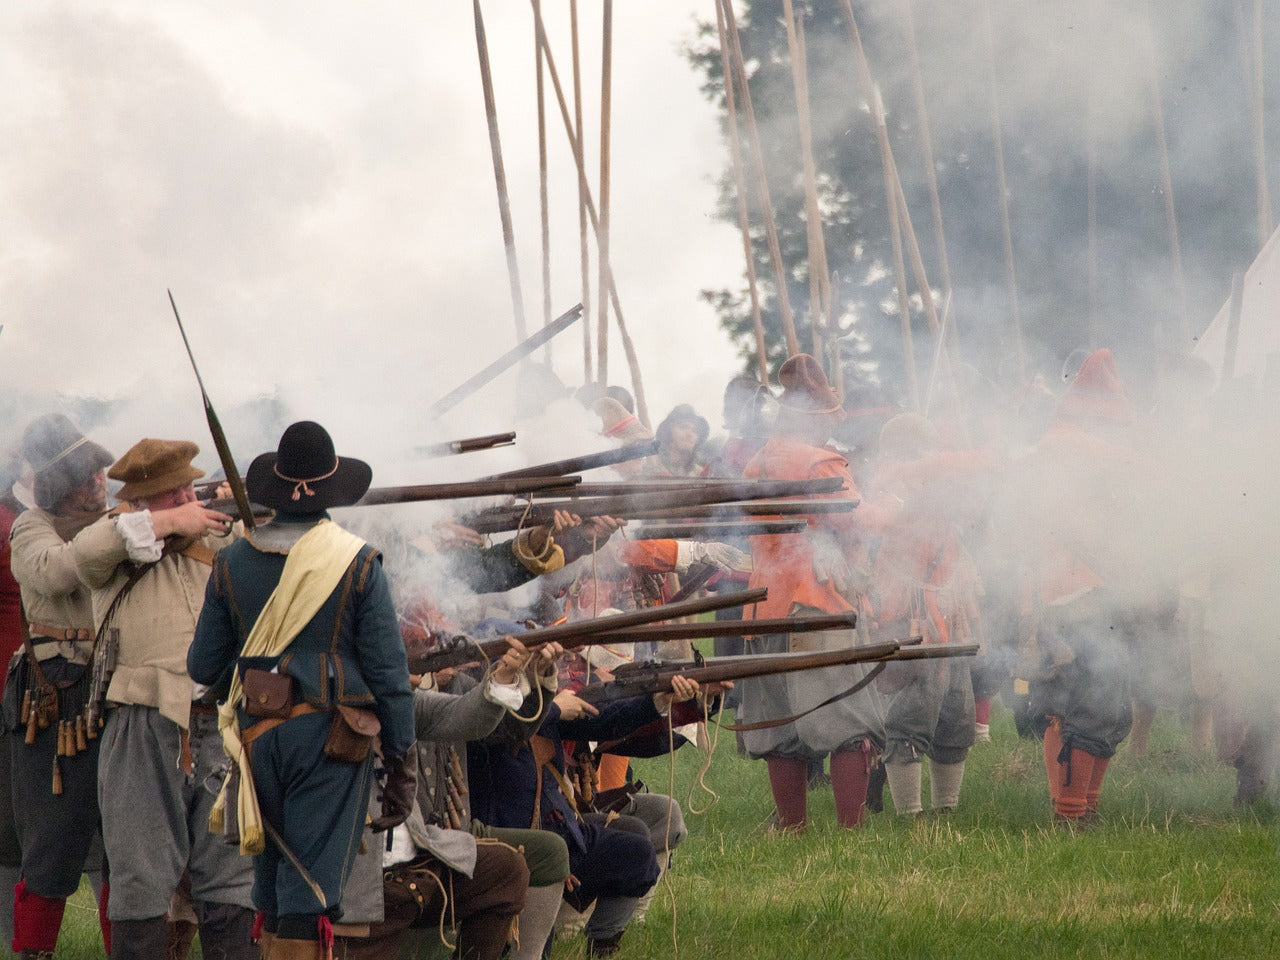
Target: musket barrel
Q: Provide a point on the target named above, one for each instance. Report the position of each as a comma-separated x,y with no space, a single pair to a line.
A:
463,649
453,491
732,628
667,611
718,530
667,503
589,461
470,445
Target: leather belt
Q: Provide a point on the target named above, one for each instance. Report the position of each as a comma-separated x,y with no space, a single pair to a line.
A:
44,632
249,734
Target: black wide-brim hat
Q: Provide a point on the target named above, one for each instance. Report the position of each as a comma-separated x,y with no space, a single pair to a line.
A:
305,475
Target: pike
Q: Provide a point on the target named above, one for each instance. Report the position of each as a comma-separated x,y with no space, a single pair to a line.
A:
518,352
463,649
635,679
219,438
606,458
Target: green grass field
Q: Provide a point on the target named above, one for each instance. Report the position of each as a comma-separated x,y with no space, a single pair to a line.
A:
1175,872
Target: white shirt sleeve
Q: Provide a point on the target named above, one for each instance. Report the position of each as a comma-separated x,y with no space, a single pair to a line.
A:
139,536
507,695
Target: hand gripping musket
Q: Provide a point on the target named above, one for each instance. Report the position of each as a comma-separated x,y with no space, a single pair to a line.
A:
634,679
519,351
219,438
462,649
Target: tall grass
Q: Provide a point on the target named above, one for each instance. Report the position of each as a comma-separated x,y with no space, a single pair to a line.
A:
1175,872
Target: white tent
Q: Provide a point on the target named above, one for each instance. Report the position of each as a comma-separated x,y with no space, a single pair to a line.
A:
1259,333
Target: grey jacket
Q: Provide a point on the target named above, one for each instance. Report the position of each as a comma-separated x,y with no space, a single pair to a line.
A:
437,717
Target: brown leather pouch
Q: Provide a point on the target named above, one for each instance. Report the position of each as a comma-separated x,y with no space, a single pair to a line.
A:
267,694
351,734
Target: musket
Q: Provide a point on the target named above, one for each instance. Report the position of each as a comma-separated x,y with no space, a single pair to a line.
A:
463,649
905,652
520,350
733,628
589,461
420,493
470,445
717,530
453,491
759,508
219,438
659,503
657,677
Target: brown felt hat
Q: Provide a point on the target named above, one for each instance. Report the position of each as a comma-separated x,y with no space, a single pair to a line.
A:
154,466
805,387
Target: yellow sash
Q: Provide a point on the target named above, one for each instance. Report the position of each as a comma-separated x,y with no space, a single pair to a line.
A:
314,567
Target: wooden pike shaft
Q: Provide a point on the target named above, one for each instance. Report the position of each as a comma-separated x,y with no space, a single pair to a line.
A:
891,205
499,173
642,409
584,254
602,234
1259,130
1091,153
1006,229
895,239
543,194
926,292
762,182
931,173
744,218
1233,328
813,217
1170,210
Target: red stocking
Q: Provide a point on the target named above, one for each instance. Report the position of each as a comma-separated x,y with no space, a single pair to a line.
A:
789,780
36,920
104,922
850,770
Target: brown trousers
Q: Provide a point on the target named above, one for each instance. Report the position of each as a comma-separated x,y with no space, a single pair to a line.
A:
423,892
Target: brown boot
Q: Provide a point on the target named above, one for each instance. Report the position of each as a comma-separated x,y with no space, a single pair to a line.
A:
182,933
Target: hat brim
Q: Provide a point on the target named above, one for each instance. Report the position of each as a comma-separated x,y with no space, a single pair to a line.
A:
348,483
173,480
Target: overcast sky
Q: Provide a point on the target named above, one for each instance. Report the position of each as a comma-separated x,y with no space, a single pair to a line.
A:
313,181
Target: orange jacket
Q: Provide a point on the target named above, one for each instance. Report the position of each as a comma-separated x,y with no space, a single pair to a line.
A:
785,562
921,567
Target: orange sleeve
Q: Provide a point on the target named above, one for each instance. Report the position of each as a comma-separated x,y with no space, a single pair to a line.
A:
649,556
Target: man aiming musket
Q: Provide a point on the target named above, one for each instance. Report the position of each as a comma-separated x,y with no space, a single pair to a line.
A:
809,574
